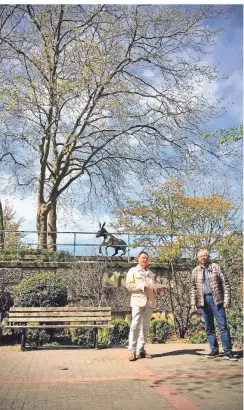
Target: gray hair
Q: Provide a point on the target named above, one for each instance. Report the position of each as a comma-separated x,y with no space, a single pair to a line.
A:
205,250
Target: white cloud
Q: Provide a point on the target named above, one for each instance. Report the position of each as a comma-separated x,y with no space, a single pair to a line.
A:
148,73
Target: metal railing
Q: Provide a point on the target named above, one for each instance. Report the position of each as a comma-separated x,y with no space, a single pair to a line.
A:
76,245
77,241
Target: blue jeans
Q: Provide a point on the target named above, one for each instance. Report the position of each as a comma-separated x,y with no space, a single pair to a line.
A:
209,311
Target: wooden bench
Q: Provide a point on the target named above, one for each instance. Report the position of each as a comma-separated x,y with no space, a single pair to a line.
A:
59,318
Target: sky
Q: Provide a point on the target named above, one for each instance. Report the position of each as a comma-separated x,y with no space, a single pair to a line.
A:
228,55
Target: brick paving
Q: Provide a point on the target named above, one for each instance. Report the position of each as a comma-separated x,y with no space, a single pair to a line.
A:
178,377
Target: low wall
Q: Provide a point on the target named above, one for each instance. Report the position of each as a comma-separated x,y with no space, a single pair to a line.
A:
11,273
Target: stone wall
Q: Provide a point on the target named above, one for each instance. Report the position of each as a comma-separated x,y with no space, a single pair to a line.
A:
11,274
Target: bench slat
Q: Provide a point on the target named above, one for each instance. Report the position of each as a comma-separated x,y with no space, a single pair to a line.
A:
62,309
59,314
58,319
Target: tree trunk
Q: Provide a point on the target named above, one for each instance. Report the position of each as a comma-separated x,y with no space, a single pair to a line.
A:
171,302
42,214
52,227
1,227
179,302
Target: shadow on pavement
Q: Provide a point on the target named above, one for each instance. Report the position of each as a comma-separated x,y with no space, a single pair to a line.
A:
73,347
180,352
197,352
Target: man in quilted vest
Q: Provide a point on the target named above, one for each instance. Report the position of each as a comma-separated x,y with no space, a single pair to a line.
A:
210,291
139,282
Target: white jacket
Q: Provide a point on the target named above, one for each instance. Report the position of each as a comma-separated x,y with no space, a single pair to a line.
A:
135,281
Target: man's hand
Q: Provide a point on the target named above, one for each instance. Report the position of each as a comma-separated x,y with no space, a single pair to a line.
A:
159,290
226,305
147,285
193,307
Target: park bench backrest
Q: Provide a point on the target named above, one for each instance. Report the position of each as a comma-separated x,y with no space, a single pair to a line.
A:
100,315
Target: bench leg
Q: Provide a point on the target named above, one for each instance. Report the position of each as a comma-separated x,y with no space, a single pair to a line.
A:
96,338
23,339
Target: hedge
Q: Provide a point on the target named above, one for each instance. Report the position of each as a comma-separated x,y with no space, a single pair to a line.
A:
43,289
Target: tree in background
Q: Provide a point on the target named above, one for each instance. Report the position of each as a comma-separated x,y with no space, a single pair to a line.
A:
85,88
205,221
230,251
1,226
85,283
170,225
170,222
9,222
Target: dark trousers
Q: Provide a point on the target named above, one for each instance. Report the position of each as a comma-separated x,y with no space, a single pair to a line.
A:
209,311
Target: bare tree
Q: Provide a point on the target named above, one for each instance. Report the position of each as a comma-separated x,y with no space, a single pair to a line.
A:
103,92
1,227
85,283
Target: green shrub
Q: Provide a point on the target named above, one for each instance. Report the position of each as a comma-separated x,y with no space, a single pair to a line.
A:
5,302
43,289
120,331
235,323
199,337
36,336
50,256
104,336
50,345
14,254
82,336
116,335
160,330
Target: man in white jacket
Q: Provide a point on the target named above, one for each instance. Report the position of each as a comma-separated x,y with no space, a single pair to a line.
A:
139,282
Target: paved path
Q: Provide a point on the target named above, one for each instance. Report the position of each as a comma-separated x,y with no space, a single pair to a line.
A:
178,376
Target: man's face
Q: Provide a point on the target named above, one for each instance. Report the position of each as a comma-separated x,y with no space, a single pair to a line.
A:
203,258
143,260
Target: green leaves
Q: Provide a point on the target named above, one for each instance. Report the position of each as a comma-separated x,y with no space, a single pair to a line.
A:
160,330
44,289
226,135
168,222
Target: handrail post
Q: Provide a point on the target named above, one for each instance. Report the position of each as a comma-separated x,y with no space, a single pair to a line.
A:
74,242
128,248
18,245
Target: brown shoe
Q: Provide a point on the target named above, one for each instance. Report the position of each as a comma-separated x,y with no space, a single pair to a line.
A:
132,357
144,355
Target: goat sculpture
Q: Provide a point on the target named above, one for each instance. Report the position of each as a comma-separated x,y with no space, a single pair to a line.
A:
110,241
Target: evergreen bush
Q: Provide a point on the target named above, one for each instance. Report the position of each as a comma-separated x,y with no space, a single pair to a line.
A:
43,289
199,337
160,330
82,336
116,335
36,336
5,302
18,254
235,323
